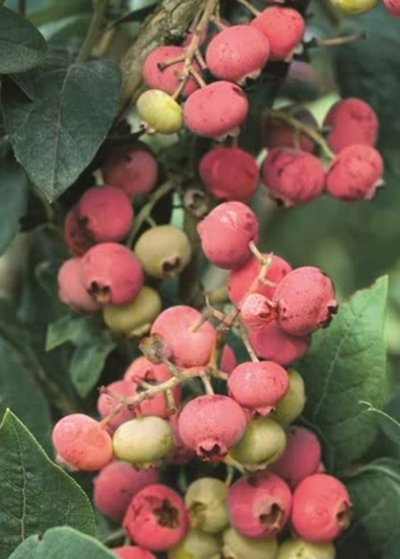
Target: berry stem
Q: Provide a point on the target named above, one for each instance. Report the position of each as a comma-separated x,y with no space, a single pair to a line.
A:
247,344
336,41
95,28
218,23
249,6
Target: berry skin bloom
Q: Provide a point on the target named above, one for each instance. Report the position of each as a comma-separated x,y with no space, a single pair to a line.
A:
133,552
81,443
236,546
71,290
279,134
271,342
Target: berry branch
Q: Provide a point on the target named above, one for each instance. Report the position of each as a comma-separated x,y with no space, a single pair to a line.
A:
95,28
249,7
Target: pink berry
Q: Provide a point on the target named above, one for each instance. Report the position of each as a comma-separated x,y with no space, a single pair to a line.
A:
71,290
156,518
133,170
237,53
216,110
321,508
278,134
393,7
228,359
284,29
133,552
271,342
301,458
112,274
351,122
180,454
257,311
229,173
226,232
190,346
211,425
258,386
76,238
81,443
259,505
116,485
355,173
106,403
306,301
293,176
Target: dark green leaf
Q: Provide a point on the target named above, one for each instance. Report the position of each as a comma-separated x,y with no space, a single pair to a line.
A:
389,425
14,200
70,328
88,362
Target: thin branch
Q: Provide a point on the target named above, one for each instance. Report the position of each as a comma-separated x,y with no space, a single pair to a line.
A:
95,28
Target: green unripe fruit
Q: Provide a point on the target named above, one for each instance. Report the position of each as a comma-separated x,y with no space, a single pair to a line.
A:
143,441
163,251
293,549
263,442
236,546
134,319
292,405
160,111
354,7
196,545
205,501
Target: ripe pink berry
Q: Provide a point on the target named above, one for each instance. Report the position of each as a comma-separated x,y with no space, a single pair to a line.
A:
156,518
259,505
306,301
257,311
229,173
106,403
81,443
180,454
228,359
393,7
133,552
135,171
351,122
190,346
76,238
258,386
112,274
216,110
301,458
237,53
71,290
278,134
105,214
271,342
226,232
321,508
115,486
355,173
211,425
284,29
244,278
293,176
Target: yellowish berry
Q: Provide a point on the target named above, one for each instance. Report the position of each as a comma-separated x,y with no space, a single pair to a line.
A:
159,111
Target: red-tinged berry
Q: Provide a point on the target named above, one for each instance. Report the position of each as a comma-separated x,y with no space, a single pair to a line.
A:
205,500
112,274
355,173
256,311
133,552
321,508
292,176
109,400
116,485
226,232
180,454
236,546
393,7
156,518
71,289
76,238
216,110
81,443
228,359
292,404
271,342
278,134
296,548
229,173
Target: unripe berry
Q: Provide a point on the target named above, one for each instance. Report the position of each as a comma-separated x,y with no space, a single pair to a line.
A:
226,233
180,454
237,53
292,404
135,318
355,173
278,134
228,359
293,176
256,311
205,500
196,545
163,251
259,505
106,403
81,443
306,301
75,236
392,6
236,546
262,444
216,110
229,173
190,346
133,170
211,425
112,274
115,486
321,508
133,552
105,213
258,386
293,549
284,29
143,441
71,290
156,518
159,111
354,7
274,344
351,122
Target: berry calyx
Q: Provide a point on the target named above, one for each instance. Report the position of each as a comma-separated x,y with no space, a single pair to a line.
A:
205,500
76,238
159,111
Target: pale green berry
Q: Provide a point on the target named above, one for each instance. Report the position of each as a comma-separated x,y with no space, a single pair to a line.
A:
293,549
236,546
143,441
292,404
197,545
205,501
354,7
263,442
159,111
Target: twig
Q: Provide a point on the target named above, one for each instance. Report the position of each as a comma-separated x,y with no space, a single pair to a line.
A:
98,20
249,7
246,341
336,41
22,7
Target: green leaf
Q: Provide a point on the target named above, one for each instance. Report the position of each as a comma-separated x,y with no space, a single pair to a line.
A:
22,47
35,494
71,328
388,424
88,362
14,201
346,365
56,136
